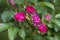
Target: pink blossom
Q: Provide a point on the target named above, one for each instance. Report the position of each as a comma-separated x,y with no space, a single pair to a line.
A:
12,2
36,19
20,16
30,9
42,28
48,17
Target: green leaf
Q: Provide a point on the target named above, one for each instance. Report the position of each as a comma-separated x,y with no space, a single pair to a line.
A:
54,1
19,1
34,1
49,25
57,16
3,26
49,32
7,15
56,37
56,28
0,1
55,21
37,37
39,9
12,32
47,4
22,33
50,38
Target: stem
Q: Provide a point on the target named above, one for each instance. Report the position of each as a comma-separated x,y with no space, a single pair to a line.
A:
8,4
26,2
20,24
43,18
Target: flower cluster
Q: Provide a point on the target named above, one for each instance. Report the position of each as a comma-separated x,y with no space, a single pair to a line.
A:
20,16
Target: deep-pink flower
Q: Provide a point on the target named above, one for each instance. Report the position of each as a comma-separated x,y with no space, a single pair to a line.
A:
48,17
20,16
36,19
30,9
42,28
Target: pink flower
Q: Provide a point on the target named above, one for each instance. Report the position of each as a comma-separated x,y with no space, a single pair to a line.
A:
36,19
20,16
48,17
30,9
12,2
42,28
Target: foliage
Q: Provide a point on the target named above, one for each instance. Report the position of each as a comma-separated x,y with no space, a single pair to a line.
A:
25,28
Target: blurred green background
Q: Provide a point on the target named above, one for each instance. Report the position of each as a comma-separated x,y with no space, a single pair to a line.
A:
3,35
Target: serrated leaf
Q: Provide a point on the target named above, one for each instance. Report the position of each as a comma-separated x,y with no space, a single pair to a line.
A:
7,15
3,26
47,4
12,32
19,1
57,16
22,33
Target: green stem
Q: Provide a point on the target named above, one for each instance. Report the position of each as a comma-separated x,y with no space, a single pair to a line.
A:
26,2
20,25
43,18
8,4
